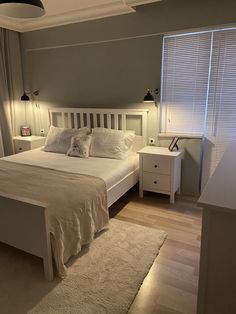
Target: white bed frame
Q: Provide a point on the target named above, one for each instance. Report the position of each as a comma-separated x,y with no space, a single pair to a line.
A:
24,222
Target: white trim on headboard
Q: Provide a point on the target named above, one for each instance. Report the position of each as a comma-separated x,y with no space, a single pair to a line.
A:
96,117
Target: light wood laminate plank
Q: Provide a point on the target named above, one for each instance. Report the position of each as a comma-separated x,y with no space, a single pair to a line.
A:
171,284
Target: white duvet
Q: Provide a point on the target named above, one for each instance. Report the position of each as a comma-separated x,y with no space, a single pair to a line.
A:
110,170
76,206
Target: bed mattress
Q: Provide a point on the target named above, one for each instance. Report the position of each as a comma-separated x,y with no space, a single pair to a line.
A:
110,170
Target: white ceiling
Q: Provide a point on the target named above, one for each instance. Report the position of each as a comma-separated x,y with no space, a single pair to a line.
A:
61,12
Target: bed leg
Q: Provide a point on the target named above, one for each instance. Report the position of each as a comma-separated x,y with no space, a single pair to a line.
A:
47,256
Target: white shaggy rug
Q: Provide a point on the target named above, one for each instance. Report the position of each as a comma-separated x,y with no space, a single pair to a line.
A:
104,279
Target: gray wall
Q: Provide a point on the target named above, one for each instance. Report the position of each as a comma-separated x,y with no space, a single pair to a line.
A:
93,64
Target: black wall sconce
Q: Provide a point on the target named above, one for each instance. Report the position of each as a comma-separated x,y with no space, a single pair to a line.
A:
25,96
150,97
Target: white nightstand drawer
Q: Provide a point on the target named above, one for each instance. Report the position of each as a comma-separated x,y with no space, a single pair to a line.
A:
157,164
156,182
21,146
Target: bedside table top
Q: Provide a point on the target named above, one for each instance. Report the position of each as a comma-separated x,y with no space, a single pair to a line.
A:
28,138
156,150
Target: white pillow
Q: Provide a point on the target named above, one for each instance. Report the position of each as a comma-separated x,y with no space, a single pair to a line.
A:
58,139
80,145
110,143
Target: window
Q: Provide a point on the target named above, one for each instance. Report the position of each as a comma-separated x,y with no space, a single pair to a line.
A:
199,90
185,83
221,113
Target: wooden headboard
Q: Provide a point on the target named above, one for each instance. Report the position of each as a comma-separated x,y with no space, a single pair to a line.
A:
119,119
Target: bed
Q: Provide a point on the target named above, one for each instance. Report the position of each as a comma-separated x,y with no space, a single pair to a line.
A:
25,222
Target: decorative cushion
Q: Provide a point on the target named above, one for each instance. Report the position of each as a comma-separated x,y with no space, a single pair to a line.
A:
80,145
111,143
59,139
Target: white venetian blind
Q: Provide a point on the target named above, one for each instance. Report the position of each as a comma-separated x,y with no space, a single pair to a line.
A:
185,82
221,116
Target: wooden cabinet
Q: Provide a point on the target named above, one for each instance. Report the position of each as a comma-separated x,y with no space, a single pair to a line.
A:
160,170
22,144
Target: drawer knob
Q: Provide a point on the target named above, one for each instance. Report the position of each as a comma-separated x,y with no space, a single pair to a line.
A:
155,182
156,166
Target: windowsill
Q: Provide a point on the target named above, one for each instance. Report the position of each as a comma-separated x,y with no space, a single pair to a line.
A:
180,135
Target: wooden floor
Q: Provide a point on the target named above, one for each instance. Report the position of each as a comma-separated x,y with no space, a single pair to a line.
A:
171,285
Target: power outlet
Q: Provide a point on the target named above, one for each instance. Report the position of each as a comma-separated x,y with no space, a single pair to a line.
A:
42,132
151,141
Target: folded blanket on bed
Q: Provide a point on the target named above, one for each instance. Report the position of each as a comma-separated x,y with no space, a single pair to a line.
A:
77,204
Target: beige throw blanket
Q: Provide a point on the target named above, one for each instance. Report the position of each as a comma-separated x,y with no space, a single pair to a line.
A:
77,204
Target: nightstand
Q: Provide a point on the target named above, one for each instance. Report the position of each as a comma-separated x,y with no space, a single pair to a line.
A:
159,171
24,143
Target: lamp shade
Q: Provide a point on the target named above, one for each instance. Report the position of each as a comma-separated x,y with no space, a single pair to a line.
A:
148,97
25,97
22,8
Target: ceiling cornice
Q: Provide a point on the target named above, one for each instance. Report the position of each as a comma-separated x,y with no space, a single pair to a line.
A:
117,7
139,2
83,15
10,23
